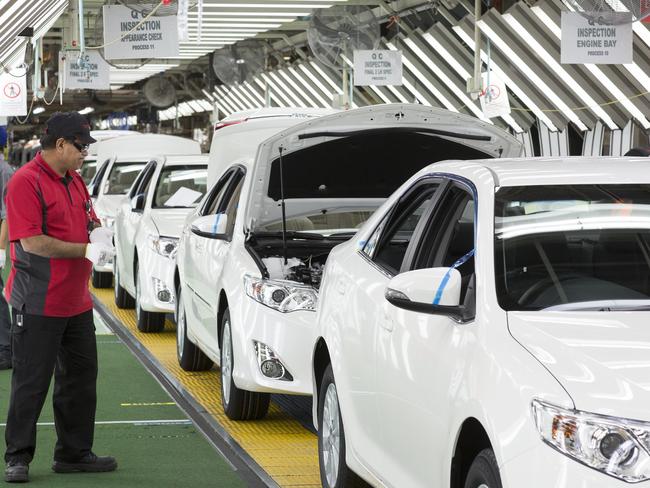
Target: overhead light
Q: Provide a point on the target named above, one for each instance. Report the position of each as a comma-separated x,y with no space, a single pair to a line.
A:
278,91
297,88
38,110
309,87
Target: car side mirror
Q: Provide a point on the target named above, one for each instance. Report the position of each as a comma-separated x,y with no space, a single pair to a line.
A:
211,226
137,203
434,291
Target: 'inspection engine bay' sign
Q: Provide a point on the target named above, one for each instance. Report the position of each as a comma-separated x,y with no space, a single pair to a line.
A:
599,39
155,37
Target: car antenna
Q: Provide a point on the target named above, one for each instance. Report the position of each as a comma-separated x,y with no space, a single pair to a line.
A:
284,215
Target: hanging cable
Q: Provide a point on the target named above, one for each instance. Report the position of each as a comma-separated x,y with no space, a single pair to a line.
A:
58,83
29,112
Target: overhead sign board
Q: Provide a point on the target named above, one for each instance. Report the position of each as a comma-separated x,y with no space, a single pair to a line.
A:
494,99
644,9
128,35
13,95
377,67
590,38
89,71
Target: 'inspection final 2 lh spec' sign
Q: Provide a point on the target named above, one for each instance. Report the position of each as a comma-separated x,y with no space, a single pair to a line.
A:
156,37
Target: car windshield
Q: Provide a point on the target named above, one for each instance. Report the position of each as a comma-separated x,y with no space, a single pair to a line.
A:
122,176
180,186
88,170
573,247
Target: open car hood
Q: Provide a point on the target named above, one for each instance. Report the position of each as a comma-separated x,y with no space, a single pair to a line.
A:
357,158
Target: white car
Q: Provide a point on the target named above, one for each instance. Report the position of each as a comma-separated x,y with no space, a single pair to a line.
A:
247,291
147,227
89,167
122,160
487,327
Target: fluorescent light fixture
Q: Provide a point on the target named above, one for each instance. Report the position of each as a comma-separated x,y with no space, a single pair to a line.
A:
521,94
309,87
287,90
252,91
235,95
598,73
560,71
531,75
326,78
397,93
243,94
277,91
298,89
38,110
87,110
222,102
316,82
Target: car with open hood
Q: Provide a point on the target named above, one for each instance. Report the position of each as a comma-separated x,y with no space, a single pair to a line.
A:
122,159
251,257
487,327
147,226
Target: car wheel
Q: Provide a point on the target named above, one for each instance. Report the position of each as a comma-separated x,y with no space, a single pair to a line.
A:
484,471
190,357
334,472
146,321
122,298
237,404
102,279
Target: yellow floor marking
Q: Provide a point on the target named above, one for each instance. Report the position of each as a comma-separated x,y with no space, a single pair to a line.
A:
278,443
156,404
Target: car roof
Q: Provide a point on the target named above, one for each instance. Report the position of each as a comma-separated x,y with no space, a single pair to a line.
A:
556,170
191,159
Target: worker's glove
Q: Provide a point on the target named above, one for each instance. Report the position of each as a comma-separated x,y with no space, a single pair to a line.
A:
99,253
103,235
3,258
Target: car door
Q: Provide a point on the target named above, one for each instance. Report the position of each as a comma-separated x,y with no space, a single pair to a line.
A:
419,357
131,221
194,258
361,288
214,259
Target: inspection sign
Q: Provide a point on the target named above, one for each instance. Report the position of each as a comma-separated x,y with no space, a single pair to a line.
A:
596,38
494,98
377,67
129,35
13,94
88,71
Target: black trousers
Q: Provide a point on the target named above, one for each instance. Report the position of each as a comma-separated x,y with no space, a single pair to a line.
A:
5,325
43,346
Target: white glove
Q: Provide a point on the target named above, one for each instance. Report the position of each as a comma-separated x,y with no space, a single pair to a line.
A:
3,258
103,235
99,253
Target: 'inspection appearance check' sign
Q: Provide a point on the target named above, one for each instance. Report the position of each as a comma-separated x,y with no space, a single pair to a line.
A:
155,37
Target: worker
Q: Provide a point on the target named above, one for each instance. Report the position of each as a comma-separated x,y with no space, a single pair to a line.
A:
55,239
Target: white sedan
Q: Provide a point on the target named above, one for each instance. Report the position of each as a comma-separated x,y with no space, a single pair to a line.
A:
488,327
248,278
147,227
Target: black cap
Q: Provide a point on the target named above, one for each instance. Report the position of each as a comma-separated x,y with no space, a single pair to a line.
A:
69,125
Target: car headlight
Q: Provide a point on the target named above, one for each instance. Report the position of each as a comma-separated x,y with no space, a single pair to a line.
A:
283,296
165,246
618,447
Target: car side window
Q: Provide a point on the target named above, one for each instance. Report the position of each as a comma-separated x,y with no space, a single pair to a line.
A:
230,204
97,179
216,194
448,239
140,184
388,245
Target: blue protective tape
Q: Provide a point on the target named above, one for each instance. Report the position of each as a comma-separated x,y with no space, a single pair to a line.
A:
216,224
445,279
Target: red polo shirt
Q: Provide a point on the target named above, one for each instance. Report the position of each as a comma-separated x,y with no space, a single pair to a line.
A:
39,201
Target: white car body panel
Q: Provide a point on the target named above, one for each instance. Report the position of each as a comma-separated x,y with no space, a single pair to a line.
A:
407,381
132,231
210,268
131,148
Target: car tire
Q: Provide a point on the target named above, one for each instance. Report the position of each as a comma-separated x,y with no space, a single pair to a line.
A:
146,321
190,357
121,296
484,471
237,404
334,472
102,279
